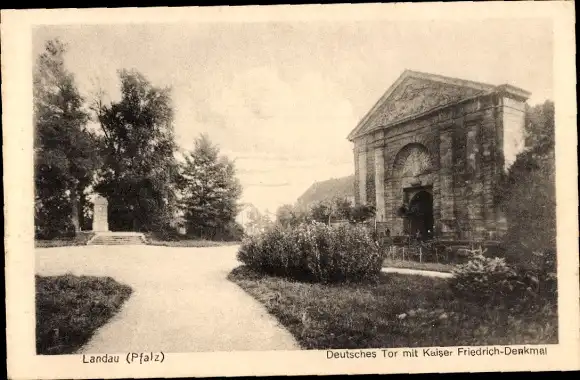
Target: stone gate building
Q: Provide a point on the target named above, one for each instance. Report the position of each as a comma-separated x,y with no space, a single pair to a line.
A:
430,152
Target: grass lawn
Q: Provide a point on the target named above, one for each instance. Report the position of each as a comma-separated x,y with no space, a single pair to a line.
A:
191,243
70,308
390,263
80,239
399,311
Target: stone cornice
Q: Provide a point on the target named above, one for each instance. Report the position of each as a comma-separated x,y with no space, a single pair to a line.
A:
513,92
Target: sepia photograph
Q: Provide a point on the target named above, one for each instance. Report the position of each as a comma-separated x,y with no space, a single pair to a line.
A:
349,186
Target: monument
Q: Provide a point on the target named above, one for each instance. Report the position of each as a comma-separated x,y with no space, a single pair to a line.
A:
430,152
100,214
102,234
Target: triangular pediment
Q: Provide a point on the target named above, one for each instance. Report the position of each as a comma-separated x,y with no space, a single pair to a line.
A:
415,93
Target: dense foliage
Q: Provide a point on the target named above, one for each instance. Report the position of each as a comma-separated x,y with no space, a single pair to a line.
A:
130,158
495,283
65,152
314,252
209,190
292,216
139,165
527,195
327,211
526,279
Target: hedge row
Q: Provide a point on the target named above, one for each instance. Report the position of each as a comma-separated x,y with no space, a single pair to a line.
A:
314,252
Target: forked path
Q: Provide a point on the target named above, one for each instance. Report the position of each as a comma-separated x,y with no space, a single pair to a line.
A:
181,301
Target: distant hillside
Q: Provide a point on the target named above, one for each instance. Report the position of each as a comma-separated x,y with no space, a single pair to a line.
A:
335,187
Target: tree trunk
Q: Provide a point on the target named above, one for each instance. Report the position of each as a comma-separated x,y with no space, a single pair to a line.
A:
75,210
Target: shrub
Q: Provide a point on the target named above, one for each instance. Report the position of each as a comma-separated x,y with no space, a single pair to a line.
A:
314,252
483,279
493,282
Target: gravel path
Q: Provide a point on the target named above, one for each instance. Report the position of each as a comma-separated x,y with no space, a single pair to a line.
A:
420,272
181,301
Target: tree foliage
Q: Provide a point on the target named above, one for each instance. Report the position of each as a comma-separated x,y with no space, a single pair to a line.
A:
66,153
322,211
292,216
209,189
528,195
326,211
140,168
362,213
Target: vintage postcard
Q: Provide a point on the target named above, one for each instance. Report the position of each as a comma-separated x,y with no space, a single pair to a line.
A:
290,190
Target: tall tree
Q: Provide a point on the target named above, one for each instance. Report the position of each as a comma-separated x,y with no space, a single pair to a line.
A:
527,194
210,189
139,168
65,151
539,128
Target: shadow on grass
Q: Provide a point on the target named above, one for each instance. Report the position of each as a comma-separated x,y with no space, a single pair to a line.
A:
69,309
81,239
399,311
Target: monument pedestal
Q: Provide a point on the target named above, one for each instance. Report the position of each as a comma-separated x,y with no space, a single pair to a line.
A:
101,214
101,228
118,238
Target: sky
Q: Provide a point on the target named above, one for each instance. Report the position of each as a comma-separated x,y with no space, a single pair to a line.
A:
280,98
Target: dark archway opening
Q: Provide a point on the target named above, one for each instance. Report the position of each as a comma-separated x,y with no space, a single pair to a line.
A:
420,216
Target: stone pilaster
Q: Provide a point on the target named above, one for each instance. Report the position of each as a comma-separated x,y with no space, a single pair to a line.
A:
446,188
380,182
362,175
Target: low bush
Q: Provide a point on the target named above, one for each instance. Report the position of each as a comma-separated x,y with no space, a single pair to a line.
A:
483,279
314,252
494,282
